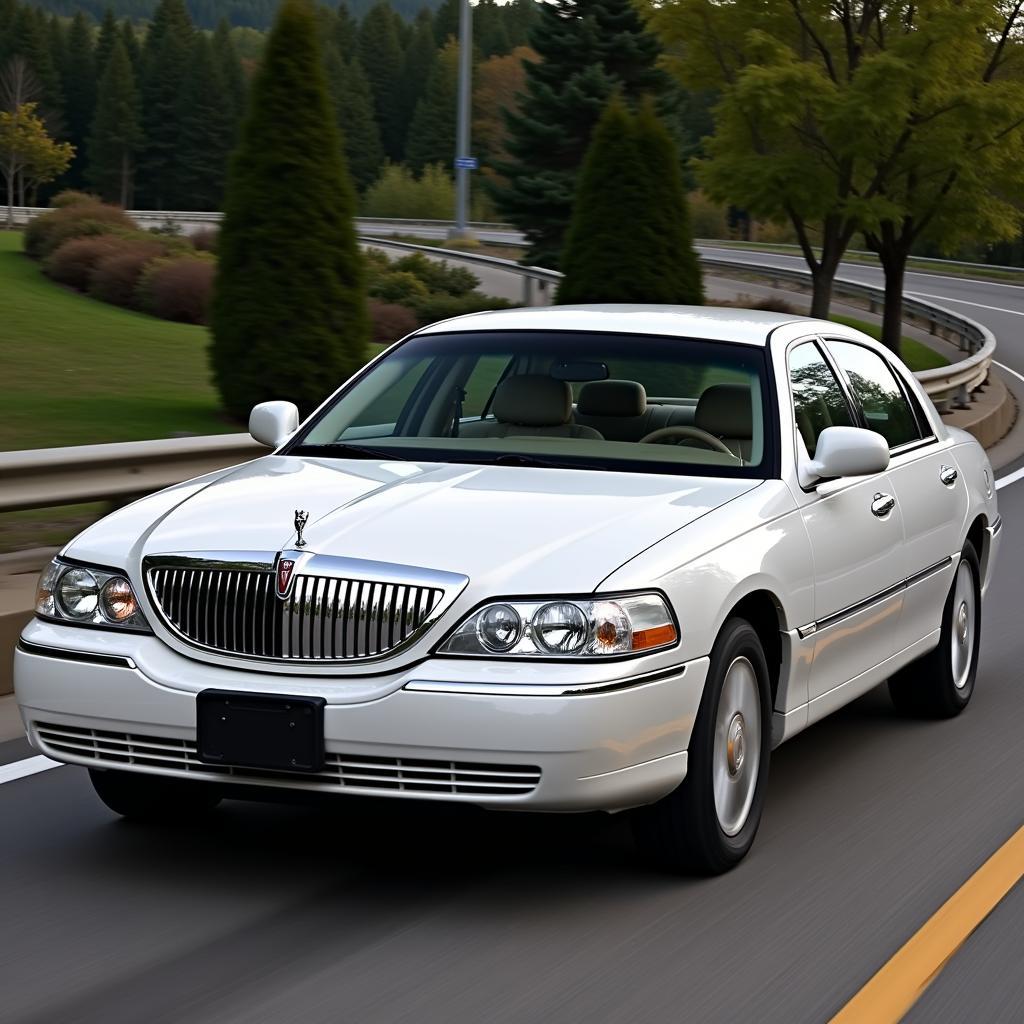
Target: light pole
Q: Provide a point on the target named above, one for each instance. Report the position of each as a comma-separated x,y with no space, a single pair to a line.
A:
464,163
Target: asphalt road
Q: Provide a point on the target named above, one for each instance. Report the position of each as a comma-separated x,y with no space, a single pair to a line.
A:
386,912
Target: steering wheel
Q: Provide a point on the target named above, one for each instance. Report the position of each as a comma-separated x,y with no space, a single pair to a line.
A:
669,435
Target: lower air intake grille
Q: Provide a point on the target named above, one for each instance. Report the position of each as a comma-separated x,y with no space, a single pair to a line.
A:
347,771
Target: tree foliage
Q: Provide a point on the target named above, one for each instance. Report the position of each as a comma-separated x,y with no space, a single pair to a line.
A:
116,130
353,104
289,313
588,49
900,121
629,239
27,151
432,131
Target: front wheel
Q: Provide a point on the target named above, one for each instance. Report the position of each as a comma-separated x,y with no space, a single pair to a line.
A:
153,798
708,824
940,684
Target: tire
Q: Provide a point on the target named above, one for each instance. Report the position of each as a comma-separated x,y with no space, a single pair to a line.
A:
154,798
940,684
702,827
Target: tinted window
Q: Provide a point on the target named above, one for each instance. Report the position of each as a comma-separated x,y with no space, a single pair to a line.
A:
885,406
818,398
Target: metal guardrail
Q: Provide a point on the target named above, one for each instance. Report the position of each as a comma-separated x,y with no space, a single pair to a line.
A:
48,477
947,386
23,214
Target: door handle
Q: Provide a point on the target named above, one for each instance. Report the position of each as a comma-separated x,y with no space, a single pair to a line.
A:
882,505
948,475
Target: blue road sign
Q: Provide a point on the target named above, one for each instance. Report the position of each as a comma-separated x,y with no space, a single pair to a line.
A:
469,163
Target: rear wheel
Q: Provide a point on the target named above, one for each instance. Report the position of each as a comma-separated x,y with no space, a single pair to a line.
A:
153,798
708,824
940,684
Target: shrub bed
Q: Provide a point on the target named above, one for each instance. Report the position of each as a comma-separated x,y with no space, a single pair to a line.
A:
96,248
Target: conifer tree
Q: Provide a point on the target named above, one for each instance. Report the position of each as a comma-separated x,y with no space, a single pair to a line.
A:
130,41
116,133
105,43
381,57
205,113
629,238
353,104
165,59
417,64
346,32
79,82
289,312
226,57
588,50
432,131
446,22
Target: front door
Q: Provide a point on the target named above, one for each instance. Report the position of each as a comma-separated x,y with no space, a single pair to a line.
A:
855,526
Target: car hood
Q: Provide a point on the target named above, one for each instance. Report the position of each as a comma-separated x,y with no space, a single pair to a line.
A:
509,529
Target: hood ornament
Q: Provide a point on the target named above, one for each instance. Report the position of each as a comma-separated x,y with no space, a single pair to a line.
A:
301,518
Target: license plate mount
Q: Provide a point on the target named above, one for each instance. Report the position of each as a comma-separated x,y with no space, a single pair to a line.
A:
254,730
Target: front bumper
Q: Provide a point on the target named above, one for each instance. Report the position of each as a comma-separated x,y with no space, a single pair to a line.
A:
616,747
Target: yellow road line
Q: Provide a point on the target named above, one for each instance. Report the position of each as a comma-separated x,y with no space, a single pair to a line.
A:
900,983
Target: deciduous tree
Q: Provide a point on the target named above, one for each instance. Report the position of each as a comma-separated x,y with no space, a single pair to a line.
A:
27,153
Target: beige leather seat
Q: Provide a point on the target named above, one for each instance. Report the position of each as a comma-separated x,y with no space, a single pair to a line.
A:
618,409
725,411
531,405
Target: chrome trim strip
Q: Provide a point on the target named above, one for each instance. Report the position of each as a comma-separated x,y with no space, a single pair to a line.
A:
543,689
844,613
996,526
88,657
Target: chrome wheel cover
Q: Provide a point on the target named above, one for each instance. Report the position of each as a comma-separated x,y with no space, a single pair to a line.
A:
964,625
736,760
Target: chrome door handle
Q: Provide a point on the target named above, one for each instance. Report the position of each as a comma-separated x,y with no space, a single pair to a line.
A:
948,475
882,505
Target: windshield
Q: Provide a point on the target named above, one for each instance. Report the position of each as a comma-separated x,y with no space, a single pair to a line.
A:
573,399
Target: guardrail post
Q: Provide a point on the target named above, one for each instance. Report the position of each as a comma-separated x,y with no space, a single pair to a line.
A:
963,398
527,291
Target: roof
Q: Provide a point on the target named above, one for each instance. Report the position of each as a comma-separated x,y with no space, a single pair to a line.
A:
713,323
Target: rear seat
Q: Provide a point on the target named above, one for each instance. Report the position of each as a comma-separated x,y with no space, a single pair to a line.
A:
619,410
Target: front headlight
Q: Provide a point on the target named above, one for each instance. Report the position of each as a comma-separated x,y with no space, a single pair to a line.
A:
88,596
566,628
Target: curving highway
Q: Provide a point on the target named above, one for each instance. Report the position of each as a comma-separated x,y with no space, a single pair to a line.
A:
364,912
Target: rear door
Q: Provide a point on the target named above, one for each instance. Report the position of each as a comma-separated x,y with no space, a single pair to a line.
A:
926,481
855,527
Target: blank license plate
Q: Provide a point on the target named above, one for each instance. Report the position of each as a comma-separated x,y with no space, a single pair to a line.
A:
255,731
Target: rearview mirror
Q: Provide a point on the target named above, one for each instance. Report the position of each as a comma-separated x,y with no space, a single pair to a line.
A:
846,451
272,423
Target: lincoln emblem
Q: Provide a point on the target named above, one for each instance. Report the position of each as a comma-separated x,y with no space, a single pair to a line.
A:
301,518
284,575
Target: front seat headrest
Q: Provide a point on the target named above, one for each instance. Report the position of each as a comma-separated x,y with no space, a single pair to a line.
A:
725,411
533,400
612,398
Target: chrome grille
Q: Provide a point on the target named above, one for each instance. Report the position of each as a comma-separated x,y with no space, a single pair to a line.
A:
348,771
324,618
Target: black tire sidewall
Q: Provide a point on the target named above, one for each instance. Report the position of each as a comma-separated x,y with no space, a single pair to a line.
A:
737,639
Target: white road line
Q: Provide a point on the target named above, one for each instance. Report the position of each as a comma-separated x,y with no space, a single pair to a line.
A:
30,766
964,302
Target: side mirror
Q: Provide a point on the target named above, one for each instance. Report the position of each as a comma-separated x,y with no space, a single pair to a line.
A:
846,451
272,423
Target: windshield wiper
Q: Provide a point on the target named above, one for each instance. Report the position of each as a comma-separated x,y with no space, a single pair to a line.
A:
355,451
538,461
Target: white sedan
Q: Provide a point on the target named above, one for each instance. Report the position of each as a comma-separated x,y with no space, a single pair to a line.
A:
553,559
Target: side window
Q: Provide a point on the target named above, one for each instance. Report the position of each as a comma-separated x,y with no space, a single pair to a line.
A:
885,405
818,397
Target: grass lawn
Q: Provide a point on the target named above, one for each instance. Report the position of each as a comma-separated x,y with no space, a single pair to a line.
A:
916,355
77,371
